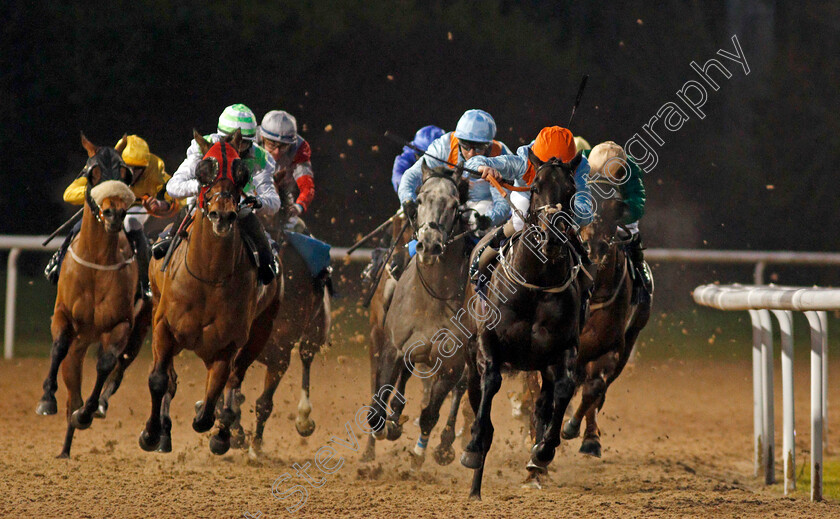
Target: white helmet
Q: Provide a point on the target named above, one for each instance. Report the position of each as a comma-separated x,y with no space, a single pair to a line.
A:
280,126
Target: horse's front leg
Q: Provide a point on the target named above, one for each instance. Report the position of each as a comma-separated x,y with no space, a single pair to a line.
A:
543,413
114,343
395,421
163,350
444,453
71,372
441,386
386,378
482,430
564,388
62,332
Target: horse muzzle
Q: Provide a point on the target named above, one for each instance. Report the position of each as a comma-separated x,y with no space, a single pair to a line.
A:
222,221
430,248
112,219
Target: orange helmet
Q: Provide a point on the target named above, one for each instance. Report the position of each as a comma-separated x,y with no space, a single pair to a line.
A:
554,142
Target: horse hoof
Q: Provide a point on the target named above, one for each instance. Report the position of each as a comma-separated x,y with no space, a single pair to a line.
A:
165,444
219,445
148,442
541,455
380,434
393,430
198,406
46,407
471,460
444,455
63,456
368,456
305,427
475,497
417,461
570,430
202,425
79,421
534,479
591,447
101,411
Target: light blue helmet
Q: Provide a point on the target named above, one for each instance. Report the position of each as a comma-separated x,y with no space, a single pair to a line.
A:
476,126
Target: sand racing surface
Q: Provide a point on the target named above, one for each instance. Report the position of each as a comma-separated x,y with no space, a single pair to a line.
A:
677,439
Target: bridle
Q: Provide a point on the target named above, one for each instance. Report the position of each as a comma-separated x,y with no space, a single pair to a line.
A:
224,169
459,214
111,173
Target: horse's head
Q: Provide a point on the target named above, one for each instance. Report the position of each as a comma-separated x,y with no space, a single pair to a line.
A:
552,197
222,176
438,210
609,170
108,179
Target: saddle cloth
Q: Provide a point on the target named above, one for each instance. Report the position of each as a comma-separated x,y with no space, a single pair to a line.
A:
314,252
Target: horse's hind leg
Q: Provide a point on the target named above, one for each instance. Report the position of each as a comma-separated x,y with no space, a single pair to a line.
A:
71,372
114,342
142,321
265,403
305,426
62,333
377,338
386,377
444,454
393,426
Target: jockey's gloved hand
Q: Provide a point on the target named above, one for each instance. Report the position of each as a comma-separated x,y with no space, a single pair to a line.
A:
251,201
483,222
410,209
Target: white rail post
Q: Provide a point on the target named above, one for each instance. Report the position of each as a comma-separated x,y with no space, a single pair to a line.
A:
785,319
816,405
824,324
768,432
758,415
11,297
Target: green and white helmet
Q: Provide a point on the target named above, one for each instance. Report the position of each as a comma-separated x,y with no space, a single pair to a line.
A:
238,116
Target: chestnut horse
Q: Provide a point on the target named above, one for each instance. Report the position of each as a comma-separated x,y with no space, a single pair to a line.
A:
96,299
613,325
209,300
305,323
533,309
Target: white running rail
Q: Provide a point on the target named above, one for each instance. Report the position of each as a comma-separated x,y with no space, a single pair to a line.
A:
781,301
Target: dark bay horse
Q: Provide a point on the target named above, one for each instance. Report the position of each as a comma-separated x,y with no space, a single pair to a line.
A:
613,325
96,301
531,318
209,300
305,323
429,293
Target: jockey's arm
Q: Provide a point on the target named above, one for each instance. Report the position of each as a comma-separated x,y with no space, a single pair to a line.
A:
583,210
633,192
401,164
511,167
263,182
305,180
75,192
413,176
183,183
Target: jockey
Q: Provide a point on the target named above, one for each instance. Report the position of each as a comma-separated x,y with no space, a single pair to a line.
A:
149,178
422,139
632,192
473,137
291,154
261,165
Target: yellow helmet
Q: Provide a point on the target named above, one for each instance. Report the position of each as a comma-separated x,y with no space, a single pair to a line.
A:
136,151
581,143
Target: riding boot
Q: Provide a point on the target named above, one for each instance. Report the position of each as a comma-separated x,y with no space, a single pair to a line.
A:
252,228
141,246
54,265
642,281
489,253
377,256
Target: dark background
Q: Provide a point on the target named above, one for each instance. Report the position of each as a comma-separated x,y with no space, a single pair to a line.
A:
159,69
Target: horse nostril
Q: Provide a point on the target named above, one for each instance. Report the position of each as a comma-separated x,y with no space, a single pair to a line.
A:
420,247
230,217
437,249
213,215
108,213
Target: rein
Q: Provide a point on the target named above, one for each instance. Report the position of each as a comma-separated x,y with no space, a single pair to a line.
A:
577,266
611,300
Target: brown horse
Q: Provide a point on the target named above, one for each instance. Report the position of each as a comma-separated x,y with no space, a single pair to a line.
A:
613,325
305,323
209,301
96,294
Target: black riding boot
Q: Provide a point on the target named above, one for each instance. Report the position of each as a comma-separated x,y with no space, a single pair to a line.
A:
252,228
141,246
54,265
487,254
641,279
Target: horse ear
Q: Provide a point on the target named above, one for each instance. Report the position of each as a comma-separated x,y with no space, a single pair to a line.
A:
534,159
90,147
575,162
425,169
122,143
236,139
203,145
240,172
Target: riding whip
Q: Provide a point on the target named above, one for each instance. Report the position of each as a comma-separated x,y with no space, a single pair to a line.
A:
370,235
577,99
66,225
378,275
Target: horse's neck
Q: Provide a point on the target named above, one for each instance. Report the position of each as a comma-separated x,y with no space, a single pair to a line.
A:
210,256
531,266
614,273
95,243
